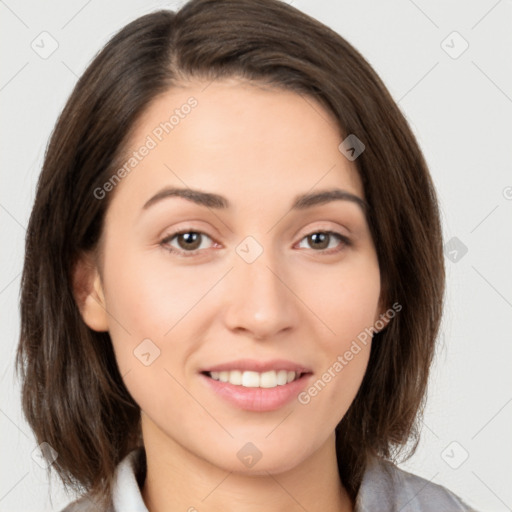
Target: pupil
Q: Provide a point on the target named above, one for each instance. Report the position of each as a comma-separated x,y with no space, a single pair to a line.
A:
190,240
322,238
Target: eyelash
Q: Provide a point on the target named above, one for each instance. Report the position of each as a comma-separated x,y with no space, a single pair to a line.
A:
164,243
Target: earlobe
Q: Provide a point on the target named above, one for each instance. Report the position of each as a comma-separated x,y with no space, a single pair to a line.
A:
89,295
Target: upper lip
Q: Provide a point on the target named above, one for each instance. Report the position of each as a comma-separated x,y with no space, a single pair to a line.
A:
258,366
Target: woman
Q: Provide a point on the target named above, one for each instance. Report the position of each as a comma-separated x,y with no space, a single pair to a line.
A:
234,273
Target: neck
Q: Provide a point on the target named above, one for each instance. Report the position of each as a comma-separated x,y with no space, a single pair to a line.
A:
177,479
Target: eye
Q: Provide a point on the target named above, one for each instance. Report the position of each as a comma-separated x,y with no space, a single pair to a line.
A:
325,241
188,242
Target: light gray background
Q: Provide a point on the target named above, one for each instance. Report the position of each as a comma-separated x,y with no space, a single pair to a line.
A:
459,108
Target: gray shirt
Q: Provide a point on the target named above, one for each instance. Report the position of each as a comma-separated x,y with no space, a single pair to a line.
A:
384,488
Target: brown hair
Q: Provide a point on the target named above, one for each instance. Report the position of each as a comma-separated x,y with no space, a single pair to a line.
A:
73,395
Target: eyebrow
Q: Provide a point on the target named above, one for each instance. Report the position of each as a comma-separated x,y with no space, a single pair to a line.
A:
216,201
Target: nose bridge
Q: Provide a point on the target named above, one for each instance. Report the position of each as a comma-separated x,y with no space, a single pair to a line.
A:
258,300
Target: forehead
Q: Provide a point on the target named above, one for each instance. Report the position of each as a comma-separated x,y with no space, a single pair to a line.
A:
238,137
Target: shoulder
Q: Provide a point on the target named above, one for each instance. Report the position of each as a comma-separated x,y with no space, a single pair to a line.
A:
83,504
126,493
386,487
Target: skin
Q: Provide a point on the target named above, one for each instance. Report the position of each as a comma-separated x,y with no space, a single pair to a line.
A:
260,148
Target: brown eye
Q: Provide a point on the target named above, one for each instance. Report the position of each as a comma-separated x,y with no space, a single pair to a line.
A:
189,241
185,242
319,240
325,241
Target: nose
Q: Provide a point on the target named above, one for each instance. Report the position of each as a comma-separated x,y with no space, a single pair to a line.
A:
260,300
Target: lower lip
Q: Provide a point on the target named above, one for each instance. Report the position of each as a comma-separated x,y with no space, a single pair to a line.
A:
257,399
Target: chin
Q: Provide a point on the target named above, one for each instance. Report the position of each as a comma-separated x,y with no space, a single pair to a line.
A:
266,459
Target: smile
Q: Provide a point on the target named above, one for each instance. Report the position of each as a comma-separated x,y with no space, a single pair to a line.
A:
251,379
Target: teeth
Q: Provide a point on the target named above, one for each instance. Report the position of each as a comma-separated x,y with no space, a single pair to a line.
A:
249,379
235,377
268,380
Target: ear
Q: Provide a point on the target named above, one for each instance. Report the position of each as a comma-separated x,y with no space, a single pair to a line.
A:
88,293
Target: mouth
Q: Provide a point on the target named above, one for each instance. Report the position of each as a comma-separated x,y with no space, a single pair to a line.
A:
252,379
257,386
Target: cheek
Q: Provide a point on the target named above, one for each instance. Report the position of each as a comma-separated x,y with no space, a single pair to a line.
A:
157,317
344,362
346,301
148,325
147,295
347,304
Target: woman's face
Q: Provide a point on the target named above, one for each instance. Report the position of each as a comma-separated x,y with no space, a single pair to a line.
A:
253,292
